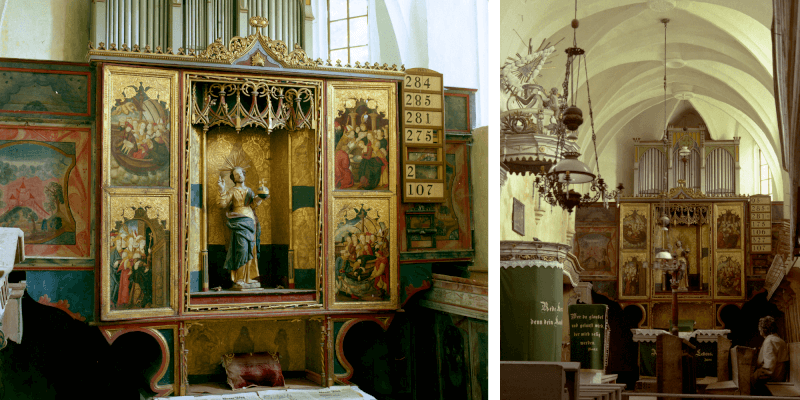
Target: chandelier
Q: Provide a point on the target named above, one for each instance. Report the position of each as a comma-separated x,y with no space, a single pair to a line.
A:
553,185
667,259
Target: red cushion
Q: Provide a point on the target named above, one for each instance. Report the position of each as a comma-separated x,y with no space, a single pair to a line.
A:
253,369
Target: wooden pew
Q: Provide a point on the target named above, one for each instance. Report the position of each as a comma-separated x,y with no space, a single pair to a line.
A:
675,365
742,359
539,380
609,391
791,388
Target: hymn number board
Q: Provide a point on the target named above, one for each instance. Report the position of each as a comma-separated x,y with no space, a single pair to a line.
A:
423,137
760,224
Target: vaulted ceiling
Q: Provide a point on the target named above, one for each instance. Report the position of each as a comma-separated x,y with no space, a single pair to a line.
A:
722,50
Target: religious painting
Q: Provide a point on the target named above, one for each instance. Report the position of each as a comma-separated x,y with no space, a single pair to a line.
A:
596,215
364,272
140,132
363,139
729,276
46,189
139,277
633,275
596,250
728,226
634,226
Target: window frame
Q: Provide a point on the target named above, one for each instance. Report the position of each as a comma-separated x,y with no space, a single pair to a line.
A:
346,18
761,164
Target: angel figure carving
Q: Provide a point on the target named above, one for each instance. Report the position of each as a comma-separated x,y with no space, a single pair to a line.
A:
516,76
239,203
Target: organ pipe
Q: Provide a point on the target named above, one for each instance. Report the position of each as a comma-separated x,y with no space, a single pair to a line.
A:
147,22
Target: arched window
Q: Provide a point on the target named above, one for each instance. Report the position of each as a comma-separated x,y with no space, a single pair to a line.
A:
764,175
348,31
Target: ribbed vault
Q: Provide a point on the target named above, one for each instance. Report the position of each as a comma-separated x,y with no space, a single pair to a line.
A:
725,48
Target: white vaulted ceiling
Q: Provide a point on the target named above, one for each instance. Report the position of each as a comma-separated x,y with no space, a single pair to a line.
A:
726,46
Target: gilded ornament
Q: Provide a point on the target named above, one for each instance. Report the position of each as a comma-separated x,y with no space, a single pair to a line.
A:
257,60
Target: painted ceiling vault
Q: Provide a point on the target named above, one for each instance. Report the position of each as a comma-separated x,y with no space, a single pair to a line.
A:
719,55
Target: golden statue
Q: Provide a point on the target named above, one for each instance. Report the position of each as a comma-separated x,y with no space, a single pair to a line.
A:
239,203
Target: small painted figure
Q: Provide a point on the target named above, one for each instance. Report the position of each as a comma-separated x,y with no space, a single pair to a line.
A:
239,203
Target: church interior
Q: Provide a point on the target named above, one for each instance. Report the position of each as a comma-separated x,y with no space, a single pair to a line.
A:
244,199
649,196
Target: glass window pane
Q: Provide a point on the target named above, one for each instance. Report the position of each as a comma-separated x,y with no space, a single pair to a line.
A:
338,34
764,172
360,54
337,9
359,34
339,55
358,7
764,187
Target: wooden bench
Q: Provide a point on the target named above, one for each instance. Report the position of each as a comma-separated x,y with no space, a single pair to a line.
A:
741,372
539,380
605,391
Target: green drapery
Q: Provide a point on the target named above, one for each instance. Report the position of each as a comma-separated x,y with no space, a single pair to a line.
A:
587,335
531,312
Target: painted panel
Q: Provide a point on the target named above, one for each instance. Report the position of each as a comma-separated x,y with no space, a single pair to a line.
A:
634,226
596,215
729,275
453,217
209,341
728,220
596,250
45,92
364,127
364,273
140,127
69,291
633,275
46,189
139,257
701,313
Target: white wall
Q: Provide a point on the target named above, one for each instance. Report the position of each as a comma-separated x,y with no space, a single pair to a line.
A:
450,37
45,29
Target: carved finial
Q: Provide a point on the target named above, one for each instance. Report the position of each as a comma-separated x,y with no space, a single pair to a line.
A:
147,49
180,51
328,63
258,22
112,46
101,46
158,50
124,47
338,63
358,64
90,45
136,48
257,60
